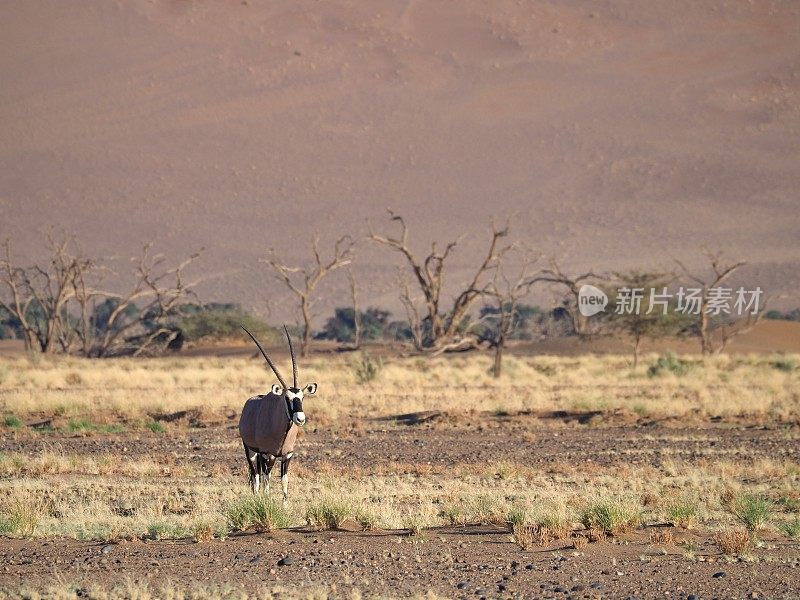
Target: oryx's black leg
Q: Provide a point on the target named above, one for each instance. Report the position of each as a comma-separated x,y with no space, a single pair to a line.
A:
267,462
285,477
252,459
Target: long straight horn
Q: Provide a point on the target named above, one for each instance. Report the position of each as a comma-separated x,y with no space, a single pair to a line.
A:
291,351
269,362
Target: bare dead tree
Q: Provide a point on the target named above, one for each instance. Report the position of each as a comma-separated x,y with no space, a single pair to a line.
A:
721,271
55,304
38,295
506,293
303,281
412,313
140,315
573,284
441,331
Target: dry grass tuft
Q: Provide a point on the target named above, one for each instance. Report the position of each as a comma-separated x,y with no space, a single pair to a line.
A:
256,511
329,513
579,541
547,528
203,531
753,511
611,515
683,513
661,536
21,517
733,542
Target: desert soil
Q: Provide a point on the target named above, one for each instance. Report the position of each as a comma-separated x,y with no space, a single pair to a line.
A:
465,562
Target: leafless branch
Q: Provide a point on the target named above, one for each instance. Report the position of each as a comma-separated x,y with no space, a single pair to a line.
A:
303,281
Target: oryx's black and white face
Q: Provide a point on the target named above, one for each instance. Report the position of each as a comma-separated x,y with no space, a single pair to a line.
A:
294,400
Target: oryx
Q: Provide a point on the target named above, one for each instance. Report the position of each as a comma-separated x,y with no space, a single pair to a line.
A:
269,425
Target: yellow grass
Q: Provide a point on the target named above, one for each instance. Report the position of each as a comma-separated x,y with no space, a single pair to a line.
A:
87,505
130,389
98,496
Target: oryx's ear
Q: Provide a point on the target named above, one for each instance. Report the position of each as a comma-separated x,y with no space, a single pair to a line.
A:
277,389
311,388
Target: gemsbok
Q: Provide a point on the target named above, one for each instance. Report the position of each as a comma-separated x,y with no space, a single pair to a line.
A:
269,425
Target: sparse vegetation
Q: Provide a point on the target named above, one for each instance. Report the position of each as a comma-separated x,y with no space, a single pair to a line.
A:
12,421
203,531
785,364
155,426
256,511
328,513
222,321
549,526
165,531
367,368
661,536
753,511
733,542
669,363
21,516
129,390
611,515
683,513
791,528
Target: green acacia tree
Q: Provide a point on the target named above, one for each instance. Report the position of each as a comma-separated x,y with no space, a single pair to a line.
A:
640,306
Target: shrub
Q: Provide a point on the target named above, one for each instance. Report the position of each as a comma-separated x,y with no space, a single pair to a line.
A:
545,529
367,519
455,514
12,422
256,511
733,542
784,364
579,541
73,378
21,517
341,327
203,531
165,531
791,528
85,426
367,369
790,503
76,425
523,536
661,536
669,363
328,513
155,426
611,515
224,323
414,523
683,514
753,511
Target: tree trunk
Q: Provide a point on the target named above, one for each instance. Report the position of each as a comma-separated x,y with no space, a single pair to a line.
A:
636,341
498,359
306,339
705,335
356,316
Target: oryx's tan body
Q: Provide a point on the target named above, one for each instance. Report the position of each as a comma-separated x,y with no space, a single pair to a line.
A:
263,426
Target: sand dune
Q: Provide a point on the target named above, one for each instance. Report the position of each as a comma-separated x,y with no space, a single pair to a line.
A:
617,133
